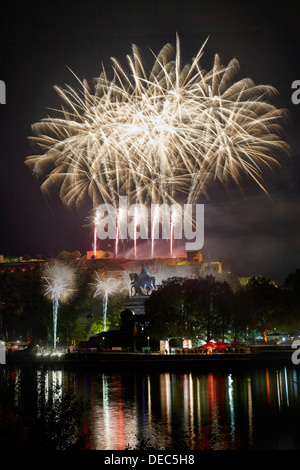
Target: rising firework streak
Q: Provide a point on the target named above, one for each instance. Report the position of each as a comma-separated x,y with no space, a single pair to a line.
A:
161,221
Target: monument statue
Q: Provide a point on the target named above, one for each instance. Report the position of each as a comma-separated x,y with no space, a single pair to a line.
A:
143,283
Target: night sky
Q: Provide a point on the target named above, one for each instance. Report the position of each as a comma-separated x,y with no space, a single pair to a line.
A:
250,233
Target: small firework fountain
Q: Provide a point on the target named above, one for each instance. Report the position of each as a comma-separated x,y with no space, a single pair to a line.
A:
59,285
104,287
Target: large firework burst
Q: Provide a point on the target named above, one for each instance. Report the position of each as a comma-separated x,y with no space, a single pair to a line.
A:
160,136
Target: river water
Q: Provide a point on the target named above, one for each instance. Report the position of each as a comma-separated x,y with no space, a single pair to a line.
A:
238,409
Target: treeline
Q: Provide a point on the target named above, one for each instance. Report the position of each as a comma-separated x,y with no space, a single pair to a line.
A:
206,308
202,308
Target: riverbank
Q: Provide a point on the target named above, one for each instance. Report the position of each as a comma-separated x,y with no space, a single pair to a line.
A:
154,361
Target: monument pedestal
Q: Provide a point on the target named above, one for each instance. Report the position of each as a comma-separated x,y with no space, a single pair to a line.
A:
136,304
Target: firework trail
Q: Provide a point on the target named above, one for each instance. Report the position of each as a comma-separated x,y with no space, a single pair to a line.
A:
175,222
135,224
94,245
153,229
138,227
162,136
59,285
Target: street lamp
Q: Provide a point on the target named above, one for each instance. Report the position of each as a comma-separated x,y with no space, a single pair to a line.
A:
148,343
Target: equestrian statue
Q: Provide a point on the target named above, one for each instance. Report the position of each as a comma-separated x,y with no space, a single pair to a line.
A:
143,283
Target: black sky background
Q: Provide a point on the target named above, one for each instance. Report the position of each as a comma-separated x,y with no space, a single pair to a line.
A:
250,233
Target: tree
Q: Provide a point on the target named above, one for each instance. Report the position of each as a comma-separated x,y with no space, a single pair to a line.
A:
97,326
261,304
81,329
115,307
165,309
24,308
189,308
208,303
288,317
76,254
240,317
64,255
292,282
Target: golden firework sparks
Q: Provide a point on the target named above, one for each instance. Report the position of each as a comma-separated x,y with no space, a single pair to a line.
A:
158,137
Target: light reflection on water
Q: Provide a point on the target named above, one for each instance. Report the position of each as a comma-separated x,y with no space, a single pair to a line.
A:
245,410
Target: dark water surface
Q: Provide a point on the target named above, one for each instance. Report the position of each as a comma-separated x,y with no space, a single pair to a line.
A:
249,408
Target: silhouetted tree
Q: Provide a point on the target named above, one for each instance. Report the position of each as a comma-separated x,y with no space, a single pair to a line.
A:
260,304
190,307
